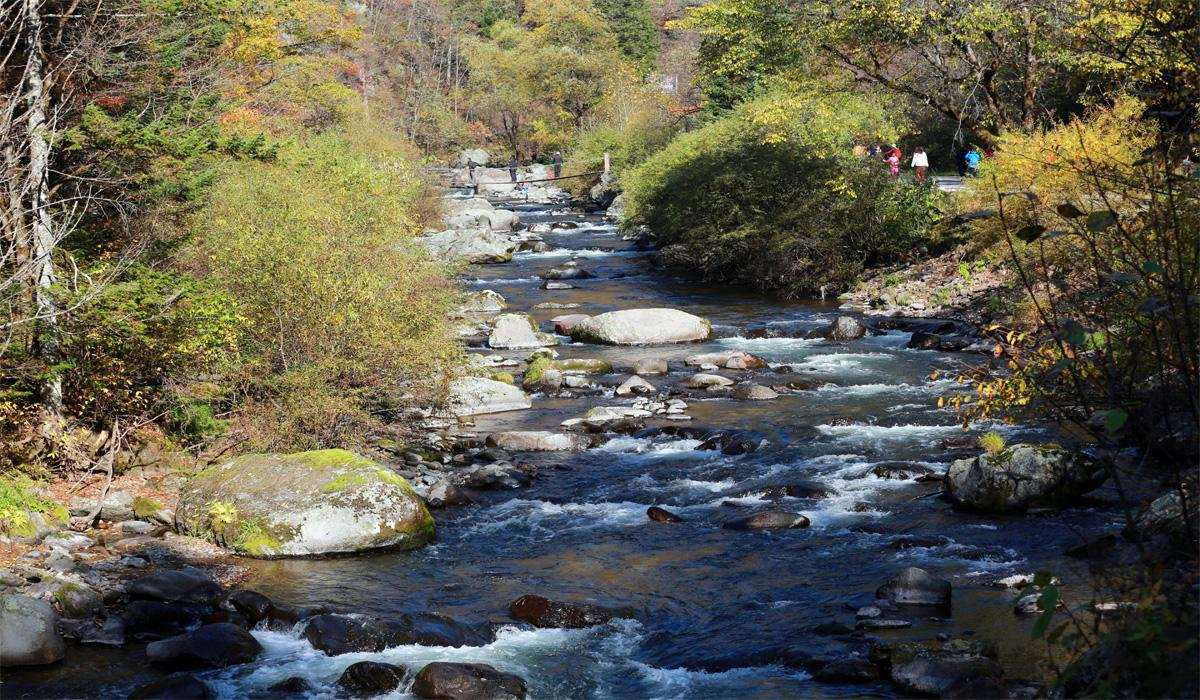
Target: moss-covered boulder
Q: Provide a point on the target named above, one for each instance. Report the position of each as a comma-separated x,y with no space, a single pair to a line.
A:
1021,476
304,504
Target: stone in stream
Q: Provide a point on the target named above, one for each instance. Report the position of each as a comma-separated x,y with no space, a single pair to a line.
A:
118,506
898,470
497,475
1020,476
706,381
732,359
914,586
845,328
28,632
370,678
187,586
304,504
517,332
566,272
483,302
563,324
336,634
538,441
76,600
650,366
769,520
252,605
543,612
642,327
471,396
617,419
854,669
179,686
295,685
797,489
477,245
444,494
555,285
662,515
444,680
733,442
749,391
957,668
208,646
635,385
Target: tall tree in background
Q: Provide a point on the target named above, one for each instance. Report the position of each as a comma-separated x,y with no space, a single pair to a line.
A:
637,35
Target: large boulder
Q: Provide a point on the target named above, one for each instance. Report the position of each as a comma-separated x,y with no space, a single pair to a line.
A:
444,680
483,302
472,396
336,634
28,632
618,209
845,328
210,646
476,245
370,678
1022,475
642,327
188,586
466,216
304,504
516,332
537,441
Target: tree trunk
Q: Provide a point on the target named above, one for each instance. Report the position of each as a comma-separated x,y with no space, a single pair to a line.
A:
41,230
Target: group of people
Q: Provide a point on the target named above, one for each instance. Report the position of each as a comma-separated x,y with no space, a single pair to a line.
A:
967,160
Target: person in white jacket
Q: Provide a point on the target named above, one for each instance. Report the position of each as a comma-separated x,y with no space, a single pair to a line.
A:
920,163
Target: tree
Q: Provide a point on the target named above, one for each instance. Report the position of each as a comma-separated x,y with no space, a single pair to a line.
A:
636,33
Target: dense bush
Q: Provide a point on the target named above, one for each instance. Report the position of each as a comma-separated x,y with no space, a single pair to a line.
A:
341,308
772,196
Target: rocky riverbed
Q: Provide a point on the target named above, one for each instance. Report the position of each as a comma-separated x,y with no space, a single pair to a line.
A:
649,487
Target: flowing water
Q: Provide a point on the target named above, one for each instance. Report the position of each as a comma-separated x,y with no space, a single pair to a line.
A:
709,608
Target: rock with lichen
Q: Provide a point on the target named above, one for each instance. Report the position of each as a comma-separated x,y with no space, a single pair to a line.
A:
303,504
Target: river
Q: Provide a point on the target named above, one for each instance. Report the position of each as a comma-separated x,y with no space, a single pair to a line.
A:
710,609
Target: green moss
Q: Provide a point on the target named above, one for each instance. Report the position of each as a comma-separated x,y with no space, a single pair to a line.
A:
254,539
584,366
391,477
145,507
536,369
330,459
343,482
505,377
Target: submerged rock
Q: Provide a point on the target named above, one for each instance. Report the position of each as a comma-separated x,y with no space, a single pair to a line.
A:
749,391
180,686
662,515
444,494
642,327
210,646
543,612
769,520
914,586
370,678
702,380
957,668
472,396
733,442
28,632
650,366
1020,476
304,504
461,681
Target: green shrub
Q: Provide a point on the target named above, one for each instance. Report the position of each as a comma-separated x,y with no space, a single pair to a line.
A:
772,196
342,308
19,501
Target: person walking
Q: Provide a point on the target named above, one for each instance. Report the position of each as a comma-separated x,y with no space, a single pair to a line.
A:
512,169
892,158
920,163
972,161
558,163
